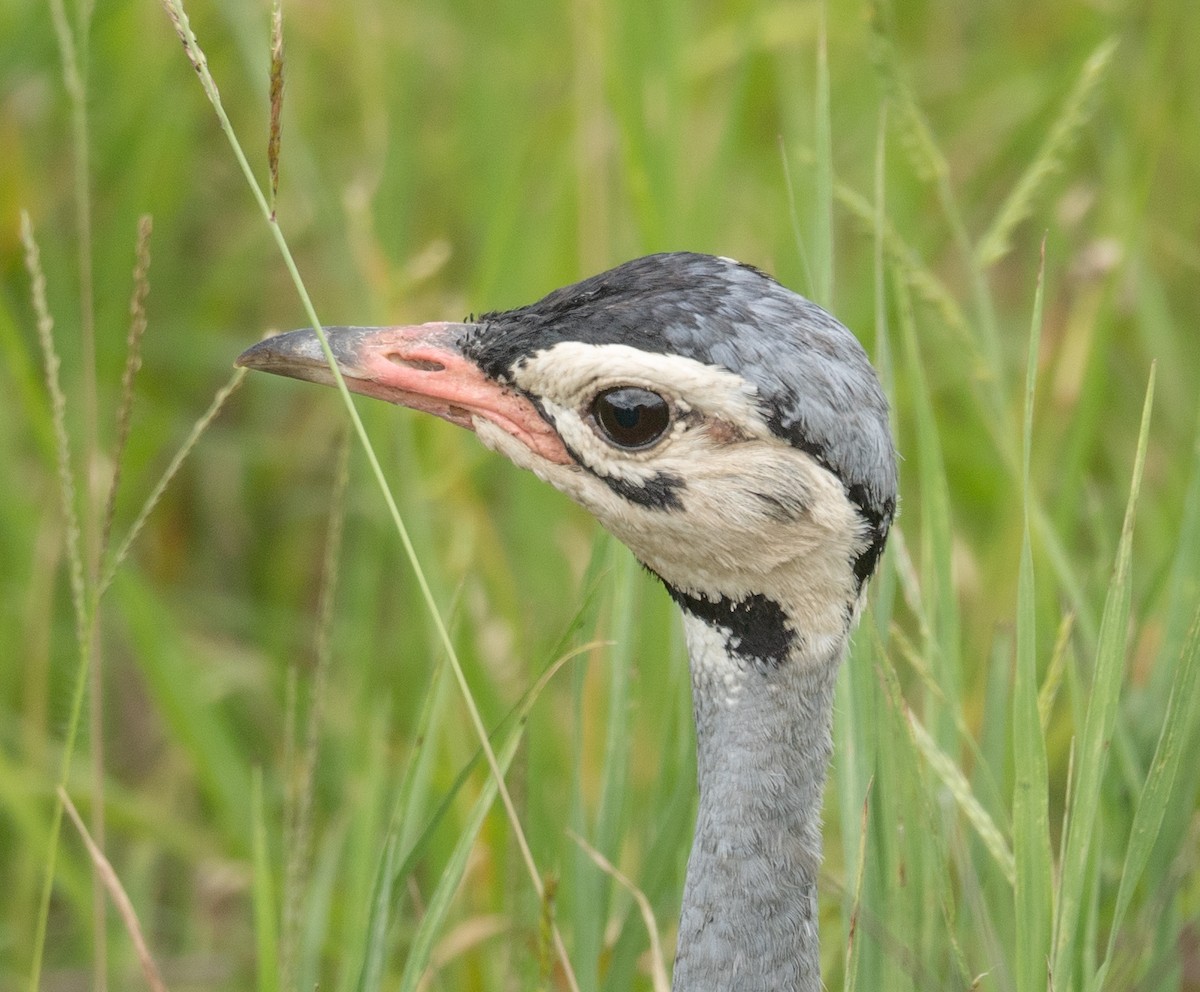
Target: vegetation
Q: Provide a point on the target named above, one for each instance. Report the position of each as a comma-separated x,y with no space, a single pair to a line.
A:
212,635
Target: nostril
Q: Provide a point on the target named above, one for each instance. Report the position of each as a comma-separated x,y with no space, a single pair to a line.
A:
420,364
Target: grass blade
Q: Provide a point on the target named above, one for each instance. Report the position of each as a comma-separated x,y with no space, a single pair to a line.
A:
1079,863
916,135
266,916
592,892
852,945
371,976
823,179
940,620
436,911
930,163
1031,814
452,873
1157,792
1052,681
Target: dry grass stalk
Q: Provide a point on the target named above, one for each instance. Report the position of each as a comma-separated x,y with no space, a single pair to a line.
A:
1055,671
185,449
300,813
273,137
133,362
1076,112
58,411
658,969
191,47
117,893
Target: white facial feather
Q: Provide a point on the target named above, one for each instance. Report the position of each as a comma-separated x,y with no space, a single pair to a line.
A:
759,516
572,372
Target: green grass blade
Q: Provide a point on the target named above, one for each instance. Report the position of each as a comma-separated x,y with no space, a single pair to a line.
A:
1055,671
593,887
452,873
940,623
1158,791
673,826
440,902
857,691
658,969
1031,814
419,846
266,913
852,945
1183,582
905,901
823,253
413,794
318,903
879,267
928,287
400,822
370,977
1079,862
202,727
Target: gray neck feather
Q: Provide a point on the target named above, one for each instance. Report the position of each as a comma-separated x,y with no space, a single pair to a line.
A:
749,917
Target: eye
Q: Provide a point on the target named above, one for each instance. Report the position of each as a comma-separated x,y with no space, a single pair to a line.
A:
630,417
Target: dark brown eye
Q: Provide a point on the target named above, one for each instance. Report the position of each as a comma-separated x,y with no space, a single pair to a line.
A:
630,417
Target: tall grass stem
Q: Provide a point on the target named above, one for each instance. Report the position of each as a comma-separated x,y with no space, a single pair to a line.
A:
67,495
176,13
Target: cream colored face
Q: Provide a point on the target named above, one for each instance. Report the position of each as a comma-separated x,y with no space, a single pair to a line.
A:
749,513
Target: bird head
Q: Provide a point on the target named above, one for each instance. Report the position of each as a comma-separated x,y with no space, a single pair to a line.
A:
730,432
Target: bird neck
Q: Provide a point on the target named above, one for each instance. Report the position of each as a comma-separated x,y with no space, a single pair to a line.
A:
749,916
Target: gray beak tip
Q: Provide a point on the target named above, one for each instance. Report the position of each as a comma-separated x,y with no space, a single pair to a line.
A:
293,350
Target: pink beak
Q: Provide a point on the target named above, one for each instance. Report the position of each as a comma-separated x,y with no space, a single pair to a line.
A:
421,367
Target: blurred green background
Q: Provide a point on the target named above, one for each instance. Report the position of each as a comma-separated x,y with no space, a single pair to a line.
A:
441,158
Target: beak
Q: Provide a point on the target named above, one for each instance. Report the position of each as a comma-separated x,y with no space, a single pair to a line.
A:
421,367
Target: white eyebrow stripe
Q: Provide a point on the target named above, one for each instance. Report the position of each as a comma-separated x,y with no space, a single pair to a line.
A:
571,372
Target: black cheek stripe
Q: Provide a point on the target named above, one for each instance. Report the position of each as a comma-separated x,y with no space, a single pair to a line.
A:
864,564
880,520
659,492
878,515
758,626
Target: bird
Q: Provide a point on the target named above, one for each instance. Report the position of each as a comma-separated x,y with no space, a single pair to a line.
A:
735,436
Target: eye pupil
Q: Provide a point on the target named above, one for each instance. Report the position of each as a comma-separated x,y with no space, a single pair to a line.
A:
630,417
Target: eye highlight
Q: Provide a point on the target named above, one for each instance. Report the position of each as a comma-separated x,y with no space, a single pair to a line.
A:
630,417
